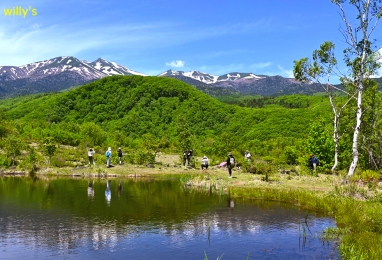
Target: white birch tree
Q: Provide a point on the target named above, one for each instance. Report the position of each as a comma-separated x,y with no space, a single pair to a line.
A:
361,59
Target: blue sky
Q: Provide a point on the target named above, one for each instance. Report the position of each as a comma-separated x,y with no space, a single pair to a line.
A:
151,36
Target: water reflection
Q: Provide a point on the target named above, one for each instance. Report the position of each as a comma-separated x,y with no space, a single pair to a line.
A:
108,192
120,188
231,203
150,219
90,189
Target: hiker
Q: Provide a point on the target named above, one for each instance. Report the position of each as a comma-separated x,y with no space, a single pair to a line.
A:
247,156
90,156
184,157
189,155
120,154
315,163
230,164
108,157
204,162
310,163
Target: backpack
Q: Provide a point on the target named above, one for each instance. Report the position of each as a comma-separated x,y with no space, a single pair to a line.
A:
232,161
107,154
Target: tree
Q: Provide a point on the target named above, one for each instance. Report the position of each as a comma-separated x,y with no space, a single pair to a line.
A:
319,71
320,144
92,134
184,134
49,147
371,133
13,147
361,59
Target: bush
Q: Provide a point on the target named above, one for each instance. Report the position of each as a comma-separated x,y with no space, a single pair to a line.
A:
4,161
259,168
58,161
138,157
370,176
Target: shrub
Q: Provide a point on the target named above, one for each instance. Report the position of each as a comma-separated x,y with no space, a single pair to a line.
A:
370,176
4,161
259,168
58,161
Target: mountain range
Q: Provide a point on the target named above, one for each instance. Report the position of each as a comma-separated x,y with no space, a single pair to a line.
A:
63,72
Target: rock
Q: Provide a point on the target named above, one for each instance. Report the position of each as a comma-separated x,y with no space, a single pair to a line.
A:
150,165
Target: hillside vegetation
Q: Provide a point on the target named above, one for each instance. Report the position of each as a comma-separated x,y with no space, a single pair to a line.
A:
154,114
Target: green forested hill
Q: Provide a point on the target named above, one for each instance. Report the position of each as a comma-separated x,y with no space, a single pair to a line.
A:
129,110
137,105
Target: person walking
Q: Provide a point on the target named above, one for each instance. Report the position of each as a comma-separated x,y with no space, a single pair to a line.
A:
310,163
90,156
120,154
189,156
230,164
315,163
247,155
184,157
108,157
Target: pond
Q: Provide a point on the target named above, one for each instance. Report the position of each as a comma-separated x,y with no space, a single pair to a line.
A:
150,219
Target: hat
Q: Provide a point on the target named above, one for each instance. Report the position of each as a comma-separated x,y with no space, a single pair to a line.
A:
229,153
119,148
109,149
204,157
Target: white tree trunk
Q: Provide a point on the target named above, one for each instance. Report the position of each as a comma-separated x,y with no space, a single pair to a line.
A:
335,130
354,163
336,140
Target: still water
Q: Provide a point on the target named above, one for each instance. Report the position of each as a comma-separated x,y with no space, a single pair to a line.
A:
150,219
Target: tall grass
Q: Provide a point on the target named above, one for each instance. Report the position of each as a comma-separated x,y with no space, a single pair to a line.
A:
359,223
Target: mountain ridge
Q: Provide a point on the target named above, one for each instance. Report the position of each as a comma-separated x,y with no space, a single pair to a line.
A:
63,72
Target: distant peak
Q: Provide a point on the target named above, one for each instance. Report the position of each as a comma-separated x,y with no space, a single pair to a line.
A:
100,60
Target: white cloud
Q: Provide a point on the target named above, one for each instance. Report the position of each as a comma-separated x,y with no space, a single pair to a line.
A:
285,72
43,37
175,64
262,65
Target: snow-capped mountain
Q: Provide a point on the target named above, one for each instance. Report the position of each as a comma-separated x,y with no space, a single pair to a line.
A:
245,83
200,76
89,71
63,72
56,74
211,79
112,68
238,76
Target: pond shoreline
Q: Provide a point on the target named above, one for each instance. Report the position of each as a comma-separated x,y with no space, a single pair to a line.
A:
325,193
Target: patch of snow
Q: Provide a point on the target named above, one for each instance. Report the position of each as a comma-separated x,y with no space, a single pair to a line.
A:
98,65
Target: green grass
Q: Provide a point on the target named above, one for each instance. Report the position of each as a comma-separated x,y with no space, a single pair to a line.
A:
359,223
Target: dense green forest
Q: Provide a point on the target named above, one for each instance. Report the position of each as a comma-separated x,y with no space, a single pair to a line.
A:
144,115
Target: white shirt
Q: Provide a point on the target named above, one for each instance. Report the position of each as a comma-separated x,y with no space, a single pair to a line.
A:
205,161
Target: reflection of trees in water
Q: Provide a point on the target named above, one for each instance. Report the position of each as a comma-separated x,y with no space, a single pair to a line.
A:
61,215
67,232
